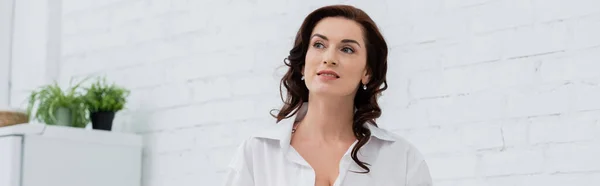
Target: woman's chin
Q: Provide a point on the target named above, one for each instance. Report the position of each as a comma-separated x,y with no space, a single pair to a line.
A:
328,91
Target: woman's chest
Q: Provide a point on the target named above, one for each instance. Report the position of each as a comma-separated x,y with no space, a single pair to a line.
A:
325,162
291,169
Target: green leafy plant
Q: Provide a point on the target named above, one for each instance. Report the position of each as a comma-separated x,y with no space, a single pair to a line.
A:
50,98
104,97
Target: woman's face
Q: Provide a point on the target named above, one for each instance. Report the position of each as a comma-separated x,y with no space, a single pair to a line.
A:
336,60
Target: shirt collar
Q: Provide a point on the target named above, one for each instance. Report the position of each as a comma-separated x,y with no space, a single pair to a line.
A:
283,130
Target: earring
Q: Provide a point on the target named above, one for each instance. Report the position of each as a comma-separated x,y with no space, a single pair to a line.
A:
364,87
302,78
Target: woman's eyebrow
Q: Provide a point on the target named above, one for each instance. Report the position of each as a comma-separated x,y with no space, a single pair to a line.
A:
321,36
350,41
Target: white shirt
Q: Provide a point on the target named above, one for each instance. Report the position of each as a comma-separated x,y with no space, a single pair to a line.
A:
268,159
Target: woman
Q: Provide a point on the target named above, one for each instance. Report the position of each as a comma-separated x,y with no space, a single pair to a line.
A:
326,132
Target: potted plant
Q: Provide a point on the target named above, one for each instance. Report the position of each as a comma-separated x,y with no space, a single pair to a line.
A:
56,106
103,101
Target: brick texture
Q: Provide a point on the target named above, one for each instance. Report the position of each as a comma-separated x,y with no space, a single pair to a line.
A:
494,92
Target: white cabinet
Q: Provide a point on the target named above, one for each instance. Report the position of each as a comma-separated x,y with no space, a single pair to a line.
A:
10,159
42,155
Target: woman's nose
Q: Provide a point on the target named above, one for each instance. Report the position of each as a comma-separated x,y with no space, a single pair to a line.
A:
330,58
329,62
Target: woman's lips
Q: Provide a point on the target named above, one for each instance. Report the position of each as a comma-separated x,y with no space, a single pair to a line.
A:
328,73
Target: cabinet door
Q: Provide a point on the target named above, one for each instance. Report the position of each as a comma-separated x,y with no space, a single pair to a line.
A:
10,160
54,161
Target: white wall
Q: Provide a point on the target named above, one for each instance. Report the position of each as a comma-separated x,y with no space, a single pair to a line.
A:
35,47
496,92
6,12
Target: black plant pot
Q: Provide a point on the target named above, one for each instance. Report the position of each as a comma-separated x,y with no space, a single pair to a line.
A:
102,120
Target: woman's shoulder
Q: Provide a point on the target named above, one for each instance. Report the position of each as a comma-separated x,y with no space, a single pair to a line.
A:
395,139
265,134
405,153
396,143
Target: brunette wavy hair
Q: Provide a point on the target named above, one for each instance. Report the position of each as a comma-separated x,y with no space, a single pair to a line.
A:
367,108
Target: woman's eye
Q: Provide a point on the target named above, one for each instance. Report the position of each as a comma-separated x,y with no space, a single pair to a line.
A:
348,50
318,45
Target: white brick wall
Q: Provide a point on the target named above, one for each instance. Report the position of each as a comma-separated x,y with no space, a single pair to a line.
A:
35,47
6,20
494,92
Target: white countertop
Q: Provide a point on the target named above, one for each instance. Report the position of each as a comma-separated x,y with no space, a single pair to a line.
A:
71,133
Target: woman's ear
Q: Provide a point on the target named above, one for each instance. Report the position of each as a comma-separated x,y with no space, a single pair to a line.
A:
366,77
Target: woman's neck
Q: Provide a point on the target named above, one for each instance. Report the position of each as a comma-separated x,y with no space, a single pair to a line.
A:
328,119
